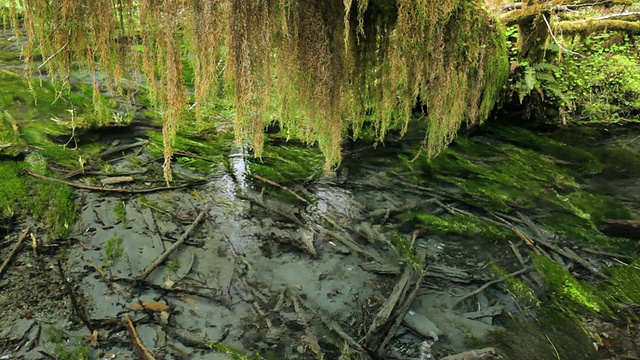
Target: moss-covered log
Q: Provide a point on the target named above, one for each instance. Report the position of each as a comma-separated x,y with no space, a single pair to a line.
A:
594,26
319,68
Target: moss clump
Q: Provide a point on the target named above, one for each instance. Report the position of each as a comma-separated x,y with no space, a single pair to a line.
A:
569,295
462,225
11,143
288,162
52,204
406,251
207,150
623,285
552,335
574,157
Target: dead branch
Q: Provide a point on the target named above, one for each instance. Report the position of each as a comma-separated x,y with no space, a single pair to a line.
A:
486,285
141,350
106,189
74,303
174,246
273,183
122,148
14,251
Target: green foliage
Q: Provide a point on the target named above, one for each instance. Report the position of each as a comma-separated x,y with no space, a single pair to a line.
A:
50,203
173,265
604,83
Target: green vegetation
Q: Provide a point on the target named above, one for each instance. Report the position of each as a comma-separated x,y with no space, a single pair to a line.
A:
407,252
463,225
233,353
318,69
569,295
173,264
113,250
604,85
120,212
81,351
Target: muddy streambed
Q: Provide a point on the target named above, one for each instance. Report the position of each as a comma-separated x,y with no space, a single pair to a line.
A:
492,247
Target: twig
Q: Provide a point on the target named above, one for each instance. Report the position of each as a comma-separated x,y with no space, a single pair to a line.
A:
141,350
173,247
15,250
122,148
486,285
106,189
556,40
281,187
53,55
74,302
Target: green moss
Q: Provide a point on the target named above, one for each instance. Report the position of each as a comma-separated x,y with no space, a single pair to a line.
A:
552,335
113,250
523,294
569,295
52,204
233,353
574,157
288,162
13,191
406,251
462,225
207,150
11,143
623,285
120,212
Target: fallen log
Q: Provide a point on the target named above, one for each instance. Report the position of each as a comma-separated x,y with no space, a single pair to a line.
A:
629,229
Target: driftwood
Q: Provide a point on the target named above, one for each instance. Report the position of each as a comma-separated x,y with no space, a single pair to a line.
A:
122,148
486,285
106,189
174,246
621,228
273,183
386,322
14,251
141,350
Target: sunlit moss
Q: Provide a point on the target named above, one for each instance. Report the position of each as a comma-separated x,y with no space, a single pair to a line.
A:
568,294
462,225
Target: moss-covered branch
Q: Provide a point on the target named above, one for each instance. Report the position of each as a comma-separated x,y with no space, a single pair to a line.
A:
593,26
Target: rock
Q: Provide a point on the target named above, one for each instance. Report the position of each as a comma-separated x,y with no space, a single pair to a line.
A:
488,353
421,324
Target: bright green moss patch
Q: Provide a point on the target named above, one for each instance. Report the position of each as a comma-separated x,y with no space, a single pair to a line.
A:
52,204
569,295
11,143
462,225
624,283
206,150
288,162
573,157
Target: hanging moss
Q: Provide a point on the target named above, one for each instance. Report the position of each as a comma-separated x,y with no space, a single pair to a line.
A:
318,68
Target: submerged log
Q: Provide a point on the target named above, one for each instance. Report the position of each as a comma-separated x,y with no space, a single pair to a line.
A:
629,229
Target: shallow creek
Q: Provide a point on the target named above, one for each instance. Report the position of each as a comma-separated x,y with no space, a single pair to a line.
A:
290,263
